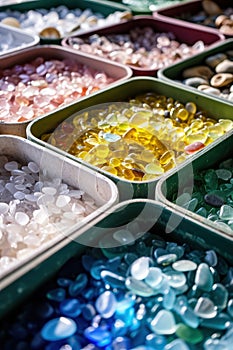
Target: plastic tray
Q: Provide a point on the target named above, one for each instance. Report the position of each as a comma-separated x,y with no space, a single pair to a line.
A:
144,216
178,12
177,181
184,34
13,39
100,188
103,7
117,71
122,92
174,71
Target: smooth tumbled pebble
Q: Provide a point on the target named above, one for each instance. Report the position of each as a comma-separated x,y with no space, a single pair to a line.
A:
166,309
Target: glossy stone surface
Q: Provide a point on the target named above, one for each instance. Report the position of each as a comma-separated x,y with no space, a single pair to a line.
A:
136,314
152,134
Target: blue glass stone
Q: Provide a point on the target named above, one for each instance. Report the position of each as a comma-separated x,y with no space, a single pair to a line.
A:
106,304
205,308
177,344
169,299
112,279
230,308
219,322
159,252
124,304
78,285
58,328
138,287
99,336
156,341
71,343
96,269
175,279
163,323
189,317
139,269
70,307
113,264
88,312
57,294
166,259
173,248
130,257
219,296
121,343
215,344
204,277
180,302
64,282
154,277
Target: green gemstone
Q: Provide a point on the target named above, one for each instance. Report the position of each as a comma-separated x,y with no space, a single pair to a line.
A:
191,335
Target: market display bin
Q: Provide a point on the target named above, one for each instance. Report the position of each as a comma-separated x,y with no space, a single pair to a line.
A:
20,9
51,165
113,70
183,11
174,71
184,34
176,183
120,93
148,7
147,221
13,39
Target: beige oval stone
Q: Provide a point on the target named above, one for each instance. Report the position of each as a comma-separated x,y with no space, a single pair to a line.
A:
220,19
221,79
11,21
211,8
198,71
50,33
226,29
226,66
214,60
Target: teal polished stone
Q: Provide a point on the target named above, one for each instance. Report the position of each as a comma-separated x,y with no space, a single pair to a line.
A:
204,277
219,295
169,299
106,304
177,344
58,328
57,294
176,279
138,287
189,317
184,265
154,277
226,212
219,322
205,308
112,279
139,269
163,323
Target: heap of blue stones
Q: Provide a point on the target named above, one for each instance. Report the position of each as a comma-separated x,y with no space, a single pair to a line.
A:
149,294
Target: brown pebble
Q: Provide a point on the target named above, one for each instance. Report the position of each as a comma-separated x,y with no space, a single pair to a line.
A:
214,60
11,21
220,19
198,71
211,8
226,30
221,79
50,32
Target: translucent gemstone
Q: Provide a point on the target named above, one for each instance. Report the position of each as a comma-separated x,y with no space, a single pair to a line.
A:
176,279
123,236
138,287
219,322
49,190
205,308
188,334
78,285
4,207
99,336
70,308
112,279
106,304
177,344
33,167
219,295
11,165
230,307
140,268
224,174
109,137
188,316
154,277
226,212
62,201
88,312
58,328
211,257
156,341
166,259
57,294
169,299
21,218
163,323
184,265
204,277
